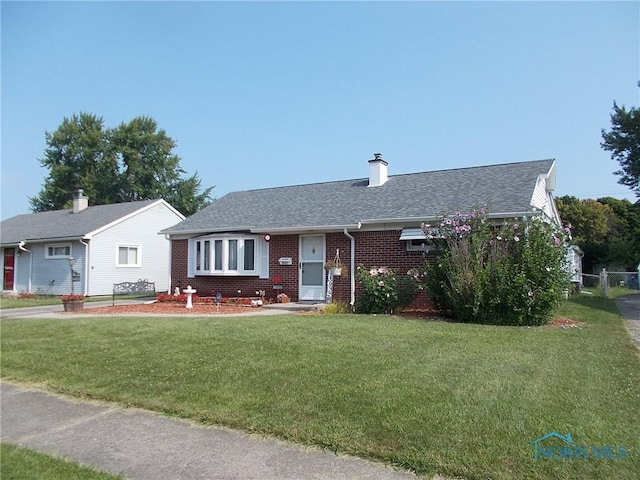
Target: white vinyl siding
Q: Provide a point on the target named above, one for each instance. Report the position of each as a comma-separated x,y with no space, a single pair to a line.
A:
139,230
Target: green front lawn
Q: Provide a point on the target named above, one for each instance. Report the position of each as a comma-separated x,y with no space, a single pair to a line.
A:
7,302
24,464
36,301
454,399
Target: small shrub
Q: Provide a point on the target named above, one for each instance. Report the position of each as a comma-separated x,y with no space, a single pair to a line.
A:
182,298
409,286
380,290
337,308
385,291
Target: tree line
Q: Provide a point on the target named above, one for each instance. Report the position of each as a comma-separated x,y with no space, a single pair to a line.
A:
606,229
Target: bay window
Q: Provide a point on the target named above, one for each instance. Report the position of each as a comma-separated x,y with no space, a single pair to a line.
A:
225,255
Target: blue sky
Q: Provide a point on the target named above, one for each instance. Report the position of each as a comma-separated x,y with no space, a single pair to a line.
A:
262,94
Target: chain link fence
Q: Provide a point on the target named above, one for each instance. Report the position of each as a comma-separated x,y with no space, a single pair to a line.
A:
605,281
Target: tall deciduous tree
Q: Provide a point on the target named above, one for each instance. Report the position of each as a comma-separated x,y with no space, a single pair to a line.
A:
77,156
624,246
623,141
134,161
606,229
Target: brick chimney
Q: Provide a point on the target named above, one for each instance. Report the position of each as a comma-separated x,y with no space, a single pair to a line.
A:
377,171
80,201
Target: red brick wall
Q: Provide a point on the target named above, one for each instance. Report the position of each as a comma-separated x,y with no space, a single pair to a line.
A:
284,246
384,249
379,248
228,286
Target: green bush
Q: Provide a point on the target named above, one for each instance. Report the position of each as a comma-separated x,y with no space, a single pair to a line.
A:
380,290
508,274
384,290
337,308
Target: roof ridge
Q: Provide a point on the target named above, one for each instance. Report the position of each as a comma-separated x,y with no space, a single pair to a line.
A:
475,167
362,179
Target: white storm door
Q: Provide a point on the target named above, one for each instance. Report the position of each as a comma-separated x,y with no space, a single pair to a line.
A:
311,276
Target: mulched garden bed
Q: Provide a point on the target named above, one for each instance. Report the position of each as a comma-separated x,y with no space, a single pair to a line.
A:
170,308
565,322
177,308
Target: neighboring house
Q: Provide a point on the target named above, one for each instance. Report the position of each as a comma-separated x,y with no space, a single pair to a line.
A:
574,265
107,244
282,237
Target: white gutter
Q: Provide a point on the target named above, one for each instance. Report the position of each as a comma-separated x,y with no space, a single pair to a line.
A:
54,239
430,218
86,267
352,271
304,229
329,228
21,247
259,230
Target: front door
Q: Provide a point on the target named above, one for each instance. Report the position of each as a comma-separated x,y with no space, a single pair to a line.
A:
311,268
9,264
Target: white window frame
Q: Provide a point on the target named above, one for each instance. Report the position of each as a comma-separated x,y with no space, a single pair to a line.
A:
416,245
138,263
57,245
200,245
419,241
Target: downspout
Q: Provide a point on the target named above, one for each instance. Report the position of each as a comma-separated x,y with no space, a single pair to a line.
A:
168,238
352,272
21,247
86,267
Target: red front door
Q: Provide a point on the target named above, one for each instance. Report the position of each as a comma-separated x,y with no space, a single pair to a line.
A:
9,263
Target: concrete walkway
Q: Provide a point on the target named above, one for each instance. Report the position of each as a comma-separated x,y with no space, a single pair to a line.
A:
57,310
142,445
629,306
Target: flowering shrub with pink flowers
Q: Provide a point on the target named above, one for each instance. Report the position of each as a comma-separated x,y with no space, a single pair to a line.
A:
511,273
380,290
384,290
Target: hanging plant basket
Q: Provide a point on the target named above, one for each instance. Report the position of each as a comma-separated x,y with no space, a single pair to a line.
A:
335,267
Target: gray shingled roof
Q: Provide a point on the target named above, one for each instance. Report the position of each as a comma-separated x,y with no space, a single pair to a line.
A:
60,224
505,188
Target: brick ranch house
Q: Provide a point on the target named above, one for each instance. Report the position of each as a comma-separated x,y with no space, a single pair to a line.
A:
279,239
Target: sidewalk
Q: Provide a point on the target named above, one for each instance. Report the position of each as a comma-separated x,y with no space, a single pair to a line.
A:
142,445
57,311
629,307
